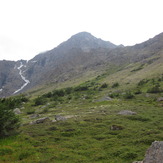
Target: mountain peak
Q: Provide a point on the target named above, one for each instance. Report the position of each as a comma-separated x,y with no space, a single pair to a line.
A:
83,35
86,40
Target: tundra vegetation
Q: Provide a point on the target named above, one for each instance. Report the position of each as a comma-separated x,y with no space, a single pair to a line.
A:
83,123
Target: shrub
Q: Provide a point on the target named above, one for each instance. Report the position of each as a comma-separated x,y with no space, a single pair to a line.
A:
5,151
154,89
9,122
137,91
114,94
128,95
81,88
24,155
68,90
39,101
59,93
48,95
104,85
30,111
115,85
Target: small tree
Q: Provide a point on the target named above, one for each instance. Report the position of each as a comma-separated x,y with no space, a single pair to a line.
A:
8,120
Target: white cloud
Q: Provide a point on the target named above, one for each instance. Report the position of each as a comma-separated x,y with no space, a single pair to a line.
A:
33,26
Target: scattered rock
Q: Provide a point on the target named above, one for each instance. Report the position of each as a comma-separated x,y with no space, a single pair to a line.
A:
63,118
69,116
17,111
34,116
60,118
116,127
127,112
138,162
160,99
41,120
155,153
105,98
43,107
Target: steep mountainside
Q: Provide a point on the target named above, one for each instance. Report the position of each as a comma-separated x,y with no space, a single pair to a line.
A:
80,54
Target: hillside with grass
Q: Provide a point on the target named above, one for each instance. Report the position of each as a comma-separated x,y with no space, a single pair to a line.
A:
108,111
90,122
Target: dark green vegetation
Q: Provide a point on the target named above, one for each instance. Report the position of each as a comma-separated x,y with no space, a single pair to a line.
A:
86,134
9,122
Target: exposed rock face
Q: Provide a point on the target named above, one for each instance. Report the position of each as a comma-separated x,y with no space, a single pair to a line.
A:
155,153
127,112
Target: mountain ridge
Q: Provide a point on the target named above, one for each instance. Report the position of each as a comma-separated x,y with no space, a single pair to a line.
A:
72,59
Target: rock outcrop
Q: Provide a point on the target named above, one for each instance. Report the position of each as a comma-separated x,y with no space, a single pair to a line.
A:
154,154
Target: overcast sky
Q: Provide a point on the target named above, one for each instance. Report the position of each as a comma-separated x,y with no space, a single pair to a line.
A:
28,27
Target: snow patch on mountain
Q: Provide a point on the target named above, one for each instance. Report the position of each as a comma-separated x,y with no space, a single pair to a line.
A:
23,78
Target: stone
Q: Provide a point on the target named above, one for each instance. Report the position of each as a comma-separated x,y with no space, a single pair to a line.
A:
41,120
155,153
160,99
34,116
17,111
127,112
105,98
116,127
59,118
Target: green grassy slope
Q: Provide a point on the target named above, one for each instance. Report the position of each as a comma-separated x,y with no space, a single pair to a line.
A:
91,129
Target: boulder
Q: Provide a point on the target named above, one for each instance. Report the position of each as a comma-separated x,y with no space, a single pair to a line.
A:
60,118
155,153
34,116
17,111
105,98
127,112
41,120
160,99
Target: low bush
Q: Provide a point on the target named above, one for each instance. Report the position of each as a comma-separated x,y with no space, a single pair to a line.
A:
128,95
142,82
39,101
114,94
9,122
104,85
115,85
154,89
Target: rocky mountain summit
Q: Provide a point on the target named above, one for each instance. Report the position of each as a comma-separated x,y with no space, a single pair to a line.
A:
80,55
